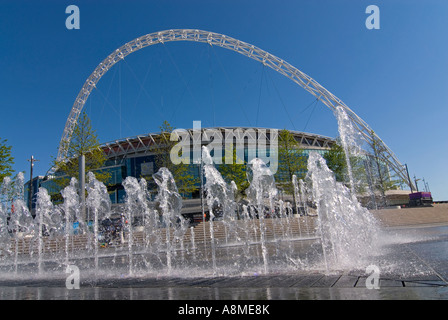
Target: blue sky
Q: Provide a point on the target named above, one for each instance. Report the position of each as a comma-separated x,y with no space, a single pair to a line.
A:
394,78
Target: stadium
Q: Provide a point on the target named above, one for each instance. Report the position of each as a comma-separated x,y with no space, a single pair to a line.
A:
136,157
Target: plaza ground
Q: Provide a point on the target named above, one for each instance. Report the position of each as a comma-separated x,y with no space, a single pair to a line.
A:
430,252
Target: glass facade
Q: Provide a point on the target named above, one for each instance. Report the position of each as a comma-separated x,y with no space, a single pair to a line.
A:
125,159
145,166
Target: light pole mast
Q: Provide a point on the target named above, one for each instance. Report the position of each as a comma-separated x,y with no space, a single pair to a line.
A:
409,178
30,189
82,185
416,185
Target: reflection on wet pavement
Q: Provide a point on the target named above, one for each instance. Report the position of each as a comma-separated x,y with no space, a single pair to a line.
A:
414,266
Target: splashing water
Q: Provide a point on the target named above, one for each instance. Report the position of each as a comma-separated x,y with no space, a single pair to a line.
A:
44,207
170,203
348,231
136,204
351,141
99,203
71,212
4,230
261,189
257,237
220,196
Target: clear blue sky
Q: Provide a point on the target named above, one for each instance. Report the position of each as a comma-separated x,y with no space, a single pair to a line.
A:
394,78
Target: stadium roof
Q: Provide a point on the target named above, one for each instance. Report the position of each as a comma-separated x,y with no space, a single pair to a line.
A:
143,144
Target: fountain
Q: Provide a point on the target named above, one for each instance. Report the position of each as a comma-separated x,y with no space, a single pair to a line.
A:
44,207
329,230
132,188
71,211
264,237
262,188
170,203
348,231
351,141
219,196
99,203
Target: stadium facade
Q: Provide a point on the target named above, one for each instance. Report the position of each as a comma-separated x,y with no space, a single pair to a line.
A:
135,156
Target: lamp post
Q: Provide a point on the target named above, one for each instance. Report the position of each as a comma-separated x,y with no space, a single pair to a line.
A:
82,185
30,189
416,180
409,178
199,162
201,173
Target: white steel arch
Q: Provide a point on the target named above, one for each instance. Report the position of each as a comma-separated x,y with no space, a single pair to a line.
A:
248,50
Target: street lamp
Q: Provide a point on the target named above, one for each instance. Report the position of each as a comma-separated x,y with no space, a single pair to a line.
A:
409,178
416,180
30,189
201,173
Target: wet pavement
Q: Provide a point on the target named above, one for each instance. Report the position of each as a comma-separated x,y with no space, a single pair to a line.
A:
419,270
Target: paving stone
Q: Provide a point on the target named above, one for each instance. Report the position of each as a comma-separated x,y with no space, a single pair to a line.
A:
346,281
390,283
282,282
233,282
361,283
307,281
326,281
432,283
424,277
207,282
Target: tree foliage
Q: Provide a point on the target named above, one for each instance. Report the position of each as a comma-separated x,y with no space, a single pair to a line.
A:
335,158
291,161
84,141
380,176
235,171
185,181
337,162
6,160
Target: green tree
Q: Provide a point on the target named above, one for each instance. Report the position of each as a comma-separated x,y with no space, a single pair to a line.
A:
380,175
84,141
235,172
336,162
6,160
185,181
291,161
335,158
